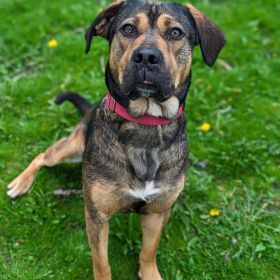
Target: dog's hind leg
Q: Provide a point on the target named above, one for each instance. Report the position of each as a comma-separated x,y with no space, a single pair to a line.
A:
68,149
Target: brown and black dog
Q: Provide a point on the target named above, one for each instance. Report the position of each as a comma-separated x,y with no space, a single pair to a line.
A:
129,166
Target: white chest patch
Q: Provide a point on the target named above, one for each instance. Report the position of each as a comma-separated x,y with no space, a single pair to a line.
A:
148,190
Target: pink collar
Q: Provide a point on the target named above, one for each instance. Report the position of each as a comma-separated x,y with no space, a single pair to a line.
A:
116,107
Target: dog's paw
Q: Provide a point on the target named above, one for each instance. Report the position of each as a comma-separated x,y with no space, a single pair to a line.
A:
150,274
20,185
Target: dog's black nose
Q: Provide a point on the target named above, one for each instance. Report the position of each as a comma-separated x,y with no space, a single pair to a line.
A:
147,57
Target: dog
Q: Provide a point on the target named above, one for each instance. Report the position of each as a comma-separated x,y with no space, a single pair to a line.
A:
133,144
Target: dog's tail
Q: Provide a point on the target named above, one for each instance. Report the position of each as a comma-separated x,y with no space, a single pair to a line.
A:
78,101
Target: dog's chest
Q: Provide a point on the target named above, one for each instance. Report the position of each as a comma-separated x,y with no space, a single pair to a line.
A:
144,162
143,150
146,151
142,166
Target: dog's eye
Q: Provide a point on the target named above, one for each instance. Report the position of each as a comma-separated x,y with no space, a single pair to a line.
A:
128,29
176,33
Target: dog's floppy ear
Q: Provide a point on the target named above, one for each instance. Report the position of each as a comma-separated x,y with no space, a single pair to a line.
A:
101,25
210,38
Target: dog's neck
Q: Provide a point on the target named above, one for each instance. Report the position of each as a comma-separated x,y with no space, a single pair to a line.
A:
142,106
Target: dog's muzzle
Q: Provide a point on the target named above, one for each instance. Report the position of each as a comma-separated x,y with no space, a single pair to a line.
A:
149,75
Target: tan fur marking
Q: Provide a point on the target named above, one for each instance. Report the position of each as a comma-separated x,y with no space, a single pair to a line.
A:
122,63
98,241
152,226
161,41
178,74
138,107
162,44
142,22
186,70
168,201
116,2
199,16
105,199
164,21
170,107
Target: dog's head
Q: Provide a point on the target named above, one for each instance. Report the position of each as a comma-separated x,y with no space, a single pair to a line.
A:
151,50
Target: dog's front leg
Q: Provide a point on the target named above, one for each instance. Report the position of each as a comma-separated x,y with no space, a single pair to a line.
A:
98,230
152,225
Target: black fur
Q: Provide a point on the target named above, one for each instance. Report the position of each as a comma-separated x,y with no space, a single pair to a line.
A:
80,103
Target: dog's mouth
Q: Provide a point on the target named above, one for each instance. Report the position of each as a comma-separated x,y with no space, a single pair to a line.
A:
147,84
144,89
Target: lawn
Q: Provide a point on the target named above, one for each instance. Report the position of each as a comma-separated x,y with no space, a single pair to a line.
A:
234,166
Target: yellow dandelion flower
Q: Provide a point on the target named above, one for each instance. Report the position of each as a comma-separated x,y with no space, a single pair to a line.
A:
214,212
205,127
52,43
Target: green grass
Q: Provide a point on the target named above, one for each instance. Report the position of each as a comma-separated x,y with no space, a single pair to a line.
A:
43,237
